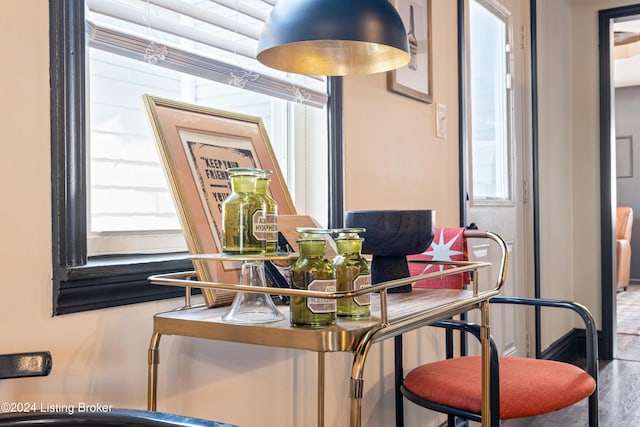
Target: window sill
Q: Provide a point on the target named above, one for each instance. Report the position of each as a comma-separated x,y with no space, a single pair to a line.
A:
114,281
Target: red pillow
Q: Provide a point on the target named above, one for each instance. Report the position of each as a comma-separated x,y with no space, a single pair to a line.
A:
448,244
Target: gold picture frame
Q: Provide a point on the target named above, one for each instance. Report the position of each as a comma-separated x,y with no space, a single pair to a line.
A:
196,145
415,79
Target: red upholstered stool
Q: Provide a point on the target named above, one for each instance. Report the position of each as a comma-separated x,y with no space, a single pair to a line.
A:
528,387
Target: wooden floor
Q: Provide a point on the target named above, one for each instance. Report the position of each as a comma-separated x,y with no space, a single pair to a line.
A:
619,400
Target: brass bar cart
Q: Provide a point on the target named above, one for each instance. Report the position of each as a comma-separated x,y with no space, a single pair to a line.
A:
392,314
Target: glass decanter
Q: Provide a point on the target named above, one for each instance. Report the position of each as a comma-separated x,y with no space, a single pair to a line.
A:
352,273
313,271
243,211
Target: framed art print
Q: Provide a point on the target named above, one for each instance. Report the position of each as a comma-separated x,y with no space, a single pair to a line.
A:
197,145
415,79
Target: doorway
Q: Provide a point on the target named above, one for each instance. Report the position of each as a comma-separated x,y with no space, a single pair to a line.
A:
608,196
626,82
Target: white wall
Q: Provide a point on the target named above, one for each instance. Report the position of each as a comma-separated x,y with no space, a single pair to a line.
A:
569,153
555,158
392,143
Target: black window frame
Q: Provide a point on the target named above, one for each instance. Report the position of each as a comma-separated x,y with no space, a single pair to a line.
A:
82,283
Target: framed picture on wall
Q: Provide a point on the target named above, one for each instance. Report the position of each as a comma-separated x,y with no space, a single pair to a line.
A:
624,157
197,145
415,79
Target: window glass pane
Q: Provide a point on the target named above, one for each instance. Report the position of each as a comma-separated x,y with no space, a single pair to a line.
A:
489,105
128,187
205,55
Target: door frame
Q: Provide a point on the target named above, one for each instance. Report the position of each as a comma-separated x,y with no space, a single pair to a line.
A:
607,179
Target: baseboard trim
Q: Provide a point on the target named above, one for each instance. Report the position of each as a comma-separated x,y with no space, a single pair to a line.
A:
564,349
570,347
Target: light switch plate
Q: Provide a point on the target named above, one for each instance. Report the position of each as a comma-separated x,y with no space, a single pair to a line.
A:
441,121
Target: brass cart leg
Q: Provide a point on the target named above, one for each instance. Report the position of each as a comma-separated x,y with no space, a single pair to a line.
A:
320,389
152,380
357,369
485,339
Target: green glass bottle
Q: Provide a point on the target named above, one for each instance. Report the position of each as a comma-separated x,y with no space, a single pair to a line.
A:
313,271
270,226
242,213
352,273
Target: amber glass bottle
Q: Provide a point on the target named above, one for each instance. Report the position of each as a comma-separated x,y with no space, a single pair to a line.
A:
352,273
313,271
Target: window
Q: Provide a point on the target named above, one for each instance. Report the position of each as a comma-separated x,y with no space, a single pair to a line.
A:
489,103
105,244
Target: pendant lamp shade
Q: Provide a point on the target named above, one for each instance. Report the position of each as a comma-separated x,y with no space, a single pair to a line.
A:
333,37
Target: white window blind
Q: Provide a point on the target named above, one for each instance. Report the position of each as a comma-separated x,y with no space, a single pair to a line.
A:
196,51
212,39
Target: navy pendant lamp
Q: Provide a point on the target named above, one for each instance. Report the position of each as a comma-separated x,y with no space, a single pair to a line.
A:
333,37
